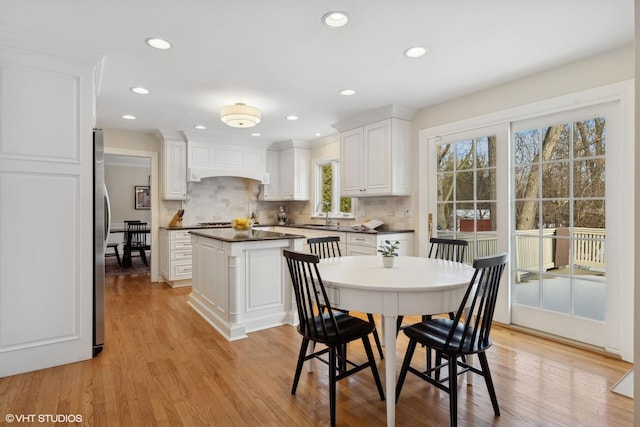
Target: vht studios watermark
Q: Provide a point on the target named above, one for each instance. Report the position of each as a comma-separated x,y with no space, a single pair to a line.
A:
43,418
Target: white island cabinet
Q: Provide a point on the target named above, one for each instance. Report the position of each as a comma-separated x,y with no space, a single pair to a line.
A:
241,284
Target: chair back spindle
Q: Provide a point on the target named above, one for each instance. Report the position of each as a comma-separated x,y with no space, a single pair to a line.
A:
325,247
448,249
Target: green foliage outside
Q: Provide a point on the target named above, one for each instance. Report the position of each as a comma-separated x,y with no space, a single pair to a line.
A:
327,191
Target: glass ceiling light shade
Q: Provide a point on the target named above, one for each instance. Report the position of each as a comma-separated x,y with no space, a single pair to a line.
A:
240,115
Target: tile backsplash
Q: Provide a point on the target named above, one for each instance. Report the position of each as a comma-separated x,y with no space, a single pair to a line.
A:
225,198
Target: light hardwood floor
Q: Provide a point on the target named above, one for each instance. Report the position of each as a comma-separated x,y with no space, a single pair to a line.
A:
164,365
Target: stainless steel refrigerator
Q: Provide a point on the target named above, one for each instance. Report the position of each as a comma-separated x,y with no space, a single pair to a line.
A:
101,225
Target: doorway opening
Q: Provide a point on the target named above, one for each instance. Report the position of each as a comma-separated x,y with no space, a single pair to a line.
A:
138,160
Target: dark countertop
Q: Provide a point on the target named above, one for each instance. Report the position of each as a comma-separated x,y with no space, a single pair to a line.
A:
196,227
229,235
342,228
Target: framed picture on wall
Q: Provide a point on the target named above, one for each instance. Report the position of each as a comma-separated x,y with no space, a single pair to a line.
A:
142,197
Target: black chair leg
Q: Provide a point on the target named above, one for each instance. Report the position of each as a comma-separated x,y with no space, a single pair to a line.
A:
372,365
301,356
482,357
126,257
453,390
399,324
332,383
405,367
342,358
115,248
376,337
143,255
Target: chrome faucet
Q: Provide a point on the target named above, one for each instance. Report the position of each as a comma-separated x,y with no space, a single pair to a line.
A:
319,209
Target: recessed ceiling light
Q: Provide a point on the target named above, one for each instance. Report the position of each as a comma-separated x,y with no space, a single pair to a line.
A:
255,134
128,117
347,92
139,90
415,52
318,134
335,19
158,43
292,117
200,127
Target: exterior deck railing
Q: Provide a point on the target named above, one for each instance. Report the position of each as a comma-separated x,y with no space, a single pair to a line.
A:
588,248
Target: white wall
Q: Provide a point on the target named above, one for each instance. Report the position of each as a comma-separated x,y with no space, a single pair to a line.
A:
613,66
121,181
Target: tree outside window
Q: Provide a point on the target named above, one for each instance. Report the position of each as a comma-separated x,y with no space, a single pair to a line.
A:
328,191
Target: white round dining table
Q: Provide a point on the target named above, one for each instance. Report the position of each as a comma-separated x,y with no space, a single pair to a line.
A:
413,286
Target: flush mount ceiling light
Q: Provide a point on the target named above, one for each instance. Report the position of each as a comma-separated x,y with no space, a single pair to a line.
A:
335,19
240,115
415,52
347,92
200,127
128,117
291,117
158,43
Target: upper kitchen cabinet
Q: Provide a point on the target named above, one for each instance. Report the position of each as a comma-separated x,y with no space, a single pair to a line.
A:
270,189
288,164
174,167
374,154
293,174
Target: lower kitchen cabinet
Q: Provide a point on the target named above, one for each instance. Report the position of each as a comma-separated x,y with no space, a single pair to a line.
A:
353,243
367,244
176,263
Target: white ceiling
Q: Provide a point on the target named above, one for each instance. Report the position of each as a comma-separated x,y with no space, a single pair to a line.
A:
277,56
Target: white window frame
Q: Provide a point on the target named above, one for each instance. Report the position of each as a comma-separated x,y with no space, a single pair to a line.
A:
335,190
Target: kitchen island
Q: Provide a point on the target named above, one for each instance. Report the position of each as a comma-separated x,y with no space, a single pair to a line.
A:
240,283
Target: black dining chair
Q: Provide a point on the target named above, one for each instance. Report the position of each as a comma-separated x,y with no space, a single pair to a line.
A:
136,233
460,336
320,324
115,252
447,249
327,247
126,227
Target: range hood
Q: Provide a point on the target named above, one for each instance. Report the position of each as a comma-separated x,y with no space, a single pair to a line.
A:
217,157
196,174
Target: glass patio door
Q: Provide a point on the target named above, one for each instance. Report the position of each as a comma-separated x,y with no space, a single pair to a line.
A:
465,186
559,234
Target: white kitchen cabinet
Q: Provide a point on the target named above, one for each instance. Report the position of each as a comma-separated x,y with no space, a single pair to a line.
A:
374,159
242,286
176,262
367,244
270,190
293,174
174,170
289,171
47,113
309,233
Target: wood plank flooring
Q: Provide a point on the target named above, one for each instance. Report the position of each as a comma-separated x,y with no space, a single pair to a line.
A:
163,365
